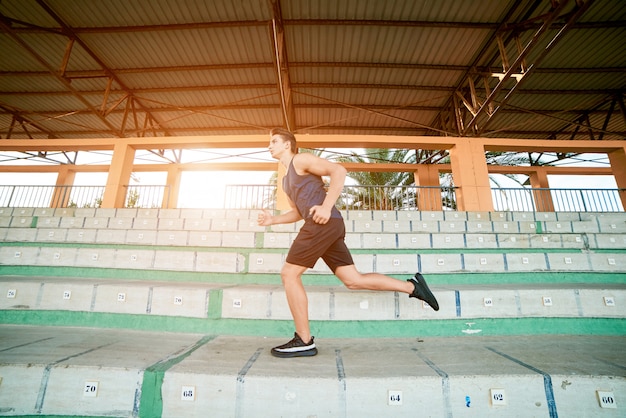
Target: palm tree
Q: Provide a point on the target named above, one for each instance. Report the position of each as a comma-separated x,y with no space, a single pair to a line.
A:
379,190
385,191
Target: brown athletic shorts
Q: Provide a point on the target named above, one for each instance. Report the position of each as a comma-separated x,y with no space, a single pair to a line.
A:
326,241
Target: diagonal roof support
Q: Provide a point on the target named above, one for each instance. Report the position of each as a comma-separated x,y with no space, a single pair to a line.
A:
620,101
510,69
515,68
72,35
24,122
53,71
281,63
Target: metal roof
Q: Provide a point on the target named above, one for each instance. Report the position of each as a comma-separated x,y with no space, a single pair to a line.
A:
118,68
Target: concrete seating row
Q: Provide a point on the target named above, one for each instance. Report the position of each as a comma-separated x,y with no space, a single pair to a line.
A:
270,239
609,226
130,237
327,303
521,337
267,262
251,214
150,374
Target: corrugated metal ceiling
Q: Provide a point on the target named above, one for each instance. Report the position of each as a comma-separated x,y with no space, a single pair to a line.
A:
82,69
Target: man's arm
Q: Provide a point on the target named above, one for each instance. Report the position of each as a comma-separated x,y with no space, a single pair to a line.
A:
266,218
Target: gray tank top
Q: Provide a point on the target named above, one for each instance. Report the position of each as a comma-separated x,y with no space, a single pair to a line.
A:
305,191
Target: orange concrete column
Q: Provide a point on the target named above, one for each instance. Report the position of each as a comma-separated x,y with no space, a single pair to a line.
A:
543,198
65,180
470,175
429,198
171,193
617,159
119,175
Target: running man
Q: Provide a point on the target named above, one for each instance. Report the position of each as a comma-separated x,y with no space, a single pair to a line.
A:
322,235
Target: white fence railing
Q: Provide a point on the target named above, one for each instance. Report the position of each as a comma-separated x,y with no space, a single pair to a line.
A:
442,198
79,196
352,198
558,200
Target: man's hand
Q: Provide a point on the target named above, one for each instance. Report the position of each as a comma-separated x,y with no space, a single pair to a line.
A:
319,214
265,218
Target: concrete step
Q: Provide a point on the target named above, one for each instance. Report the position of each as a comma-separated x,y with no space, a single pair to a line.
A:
609,225
464,309
94,372
403,238
268,262
356,221
351,214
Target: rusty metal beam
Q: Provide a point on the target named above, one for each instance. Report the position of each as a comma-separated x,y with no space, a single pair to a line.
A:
312,141
408,130
580,8
514,67
404,87
17,115
53,71
452,103
70,33
622,107
31,28
77,74
66,56
271,166
281,63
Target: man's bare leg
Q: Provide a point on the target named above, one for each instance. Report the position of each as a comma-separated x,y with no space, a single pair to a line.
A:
354,280
416,286
297,299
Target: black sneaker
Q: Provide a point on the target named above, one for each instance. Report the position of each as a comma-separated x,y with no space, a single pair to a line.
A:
295,348
422,291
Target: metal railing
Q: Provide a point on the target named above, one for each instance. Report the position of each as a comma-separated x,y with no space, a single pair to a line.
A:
79,196
442,198
51,196
397,198
250,196
557,200
147,196
352,198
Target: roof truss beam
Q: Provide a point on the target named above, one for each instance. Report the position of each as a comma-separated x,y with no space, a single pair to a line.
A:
475,109
281,64
519,69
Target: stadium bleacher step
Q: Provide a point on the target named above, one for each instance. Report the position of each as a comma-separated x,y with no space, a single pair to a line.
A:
148,312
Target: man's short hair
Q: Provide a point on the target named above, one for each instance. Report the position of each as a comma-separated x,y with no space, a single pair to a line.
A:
286,136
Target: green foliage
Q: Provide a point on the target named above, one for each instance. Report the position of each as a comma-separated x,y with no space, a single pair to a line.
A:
381,155
384,191
132,199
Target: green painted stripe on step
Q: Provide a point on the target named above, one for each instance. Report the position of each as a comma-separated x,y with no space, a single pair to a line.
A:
151,403
534,277
459,278
323,329
259,240
58,416
156,323
477,326
215,304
